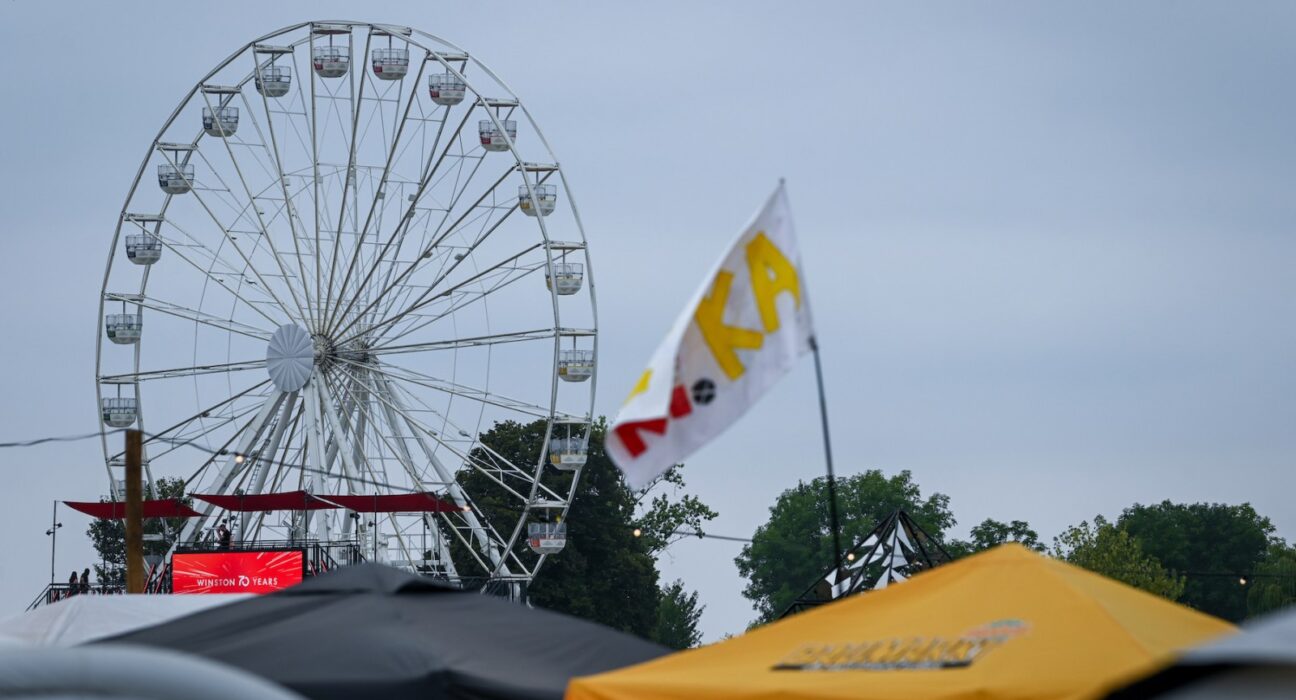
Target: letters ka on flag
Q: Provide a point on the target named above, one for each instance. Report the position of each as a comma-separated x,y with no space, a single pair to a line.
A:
741,332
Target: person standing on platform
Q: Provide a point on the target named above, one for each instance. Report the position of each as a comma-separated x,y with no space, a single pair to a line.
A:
85,580
223,535
72,583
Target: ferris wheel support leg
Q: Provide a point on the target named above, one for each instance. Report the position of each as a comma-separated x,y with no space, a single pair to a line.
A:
267,459
314,459
234,464
484,543
358,459
340,431
407,461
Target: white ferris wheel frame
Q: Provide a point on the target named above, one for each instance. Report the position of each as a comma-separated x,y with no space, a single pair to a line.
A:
272,419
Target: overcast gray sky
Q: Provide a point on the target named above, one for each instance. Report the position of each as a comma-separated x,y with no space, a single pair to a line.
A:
1049,247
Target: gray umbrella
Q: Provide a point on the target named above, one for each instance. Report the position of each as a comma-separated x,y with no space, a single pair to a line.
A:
373,631
1259,662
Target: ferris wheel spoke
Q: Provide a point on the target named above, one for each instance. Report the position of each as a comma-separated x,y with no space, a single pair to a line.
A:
467,455
266,456
233,464
391,279
401,373
360,377
289,211
179,311
214,259
179,248
183,442
386,330
315,469
215,453
481,534
474,214
489,228
339,448
480,526
469,459
468,342
272,165
357,105
166,434
232,240
381,186
360,455
146,375
412,268
256,210
313,109
357,404
401,227
399,449
280,465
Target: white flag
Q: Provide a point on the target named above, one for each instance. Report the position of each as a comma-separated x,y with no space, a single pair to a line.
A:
742,331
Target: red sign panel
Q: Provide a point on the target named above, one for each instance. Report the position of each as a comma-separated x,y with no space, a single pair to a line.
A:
235,572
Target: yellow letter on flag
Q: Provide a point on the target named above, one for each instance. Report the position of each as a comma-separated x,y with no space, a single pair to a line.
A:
724,340
764,260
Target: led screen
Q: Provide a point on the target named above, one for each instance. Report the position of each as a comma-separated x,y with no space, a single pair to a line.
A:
235,572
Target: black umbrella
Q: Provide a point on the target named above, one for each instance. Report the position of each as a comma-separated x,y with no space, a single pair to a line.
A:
373,631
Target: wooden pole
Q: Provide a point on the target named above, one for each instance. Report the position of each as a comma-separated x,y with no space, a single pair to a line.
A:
134,513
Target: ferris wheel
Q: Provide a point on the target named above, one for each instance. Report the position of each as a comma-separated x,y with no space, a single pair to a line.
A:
348,253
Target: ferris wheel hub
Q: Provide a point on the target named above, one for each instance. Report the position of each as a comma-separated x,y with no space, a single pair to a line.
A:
290,357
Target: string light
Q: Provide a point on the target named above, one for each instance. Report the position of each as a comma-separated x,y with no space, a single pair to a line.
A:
239,458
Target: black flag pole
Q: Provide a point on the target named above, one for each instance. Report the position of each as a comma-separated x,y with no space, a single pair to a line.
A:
823,416
832,480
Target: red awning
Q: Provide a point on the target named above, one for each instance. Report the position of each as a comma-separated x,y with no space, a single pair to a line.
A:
290,500
397,503
116,510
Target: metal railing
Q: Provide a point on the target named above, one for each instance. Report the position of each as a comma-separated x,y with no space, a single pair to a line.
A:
56,592
320,556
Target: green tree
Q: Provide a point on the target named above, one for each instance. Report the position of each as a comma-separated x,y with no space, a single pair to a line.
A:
605,573
1106,549
794,547
678,614
109,536
1211,543
1273,584
670,517
992,533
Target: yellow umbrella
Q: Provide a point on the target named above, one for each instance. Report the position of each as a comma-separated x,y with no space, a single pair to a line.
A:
1007,623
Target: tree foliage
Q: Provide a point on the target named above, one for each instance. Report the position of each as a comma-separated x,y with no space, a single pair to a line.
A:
794,547
109,536
605,573
670,517
1106,549
992,533
678,614
1273,584
1211,543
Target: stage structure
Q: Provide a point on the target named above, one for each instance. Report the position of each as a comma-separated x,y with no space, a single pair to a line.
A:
893,551
347,254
